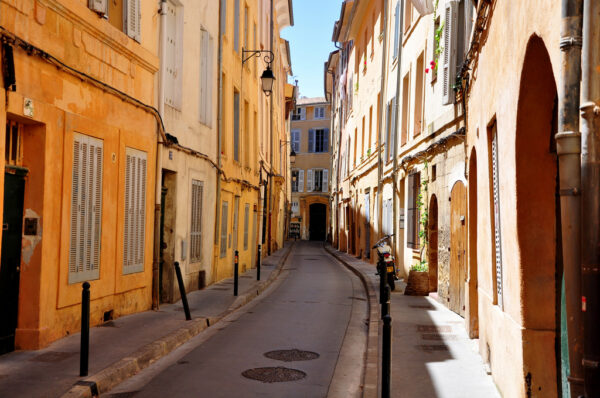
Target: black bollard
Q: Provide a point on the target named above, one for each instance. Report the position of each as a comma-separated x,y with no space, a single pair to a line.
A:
258,263
382,282
186,307
386,357
236,270
84,352
385,306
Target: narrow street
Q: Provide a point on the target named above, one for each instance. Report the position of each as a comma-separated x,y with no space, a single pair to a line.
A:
309,308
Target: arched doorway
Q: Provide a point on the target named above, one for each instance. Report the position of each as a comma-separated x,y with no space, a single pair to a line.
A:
317,220
538,215
472,313
458,247
432,249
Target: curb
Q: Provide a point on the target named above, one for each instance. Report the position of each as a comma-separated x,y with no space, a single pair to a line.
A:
370,378
111,376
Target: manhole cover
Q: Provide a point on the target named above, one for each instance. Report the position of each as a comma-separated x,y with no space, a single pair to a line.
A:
274,375
52,356
434,328
292,355
433,347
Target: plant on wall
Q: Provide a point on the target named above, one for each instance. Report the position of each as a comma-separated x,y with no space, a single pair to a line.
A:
437,40
422,265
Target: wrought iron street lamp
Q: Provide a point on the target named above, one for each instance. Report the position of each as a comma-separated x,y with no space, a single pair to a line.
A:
267,78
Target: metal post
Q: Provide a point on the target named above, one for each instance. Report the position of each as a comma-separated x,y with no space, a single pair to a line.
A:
85,330
386,357
235,272
258,263
186,308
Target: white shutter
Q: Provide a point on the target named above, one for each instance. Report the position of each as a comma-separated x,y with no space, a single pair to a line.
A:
209,82
86,209
309,180
203,74
135,211
325,184
99,6
196,221
301,181
450,43
132,20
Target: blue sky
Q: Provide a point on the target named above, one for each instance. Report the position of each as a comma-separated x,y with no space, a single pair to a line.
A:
310,42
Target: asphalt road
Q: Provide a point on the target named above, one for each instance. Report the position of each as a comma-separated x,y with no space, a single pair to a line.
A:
315,305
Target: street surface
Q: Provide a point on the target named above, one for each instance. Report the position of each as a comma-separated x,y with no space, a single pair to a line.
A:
310,307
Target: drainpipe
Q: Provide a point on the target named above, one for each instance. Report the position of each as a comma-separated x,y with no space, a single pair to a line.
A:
270,175
158,177
568,144
217,241
590,172
381,130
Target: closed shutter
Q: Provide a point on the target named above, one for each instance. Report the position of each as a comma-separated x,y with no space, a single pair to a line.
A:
99,6
296,141
325,185
223,243
388,130
450,42
497,231
236,26
135,211
396,28
301,181
204,77
236,126
302,113
411,214
196,221
393,129
132,20
309,180
246,220
311,140
171,59
86,209
326,140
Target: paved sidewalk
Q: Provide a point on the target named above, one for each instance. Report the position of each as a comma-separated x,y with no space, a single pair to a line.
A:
432,355
120,348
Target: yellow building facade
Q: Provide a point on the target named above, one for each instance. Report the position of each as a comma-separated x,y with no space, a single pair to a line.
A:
79,164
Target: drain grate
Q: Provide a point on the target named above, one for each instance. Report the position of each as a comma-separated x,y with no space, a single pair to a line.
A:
434,329
52,356
274,375
291,355
433,347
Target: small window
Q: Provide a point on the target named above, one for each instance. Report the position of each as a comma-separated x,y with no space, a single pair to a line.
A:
13,151
196,221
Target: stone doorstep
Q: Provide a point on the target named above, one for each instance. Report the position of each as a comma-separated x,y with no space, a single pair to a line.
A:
110,377
371,367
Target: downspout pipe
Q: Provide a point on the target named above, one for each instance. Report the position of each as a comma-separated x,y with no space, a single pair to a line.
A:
590,173
158,177
381,140
219,144
568,145
271,137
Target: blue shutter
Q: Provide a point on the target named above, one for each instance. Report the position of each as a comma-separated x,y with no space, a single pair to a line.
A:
311,140
326,140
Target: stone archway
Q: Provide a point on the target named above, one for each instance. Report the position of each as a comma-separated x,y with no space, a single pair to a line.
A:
432,249
537,227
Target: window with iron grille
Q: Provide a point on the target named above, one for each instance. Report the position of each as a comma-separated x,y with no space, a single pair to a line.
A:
196,221
135,211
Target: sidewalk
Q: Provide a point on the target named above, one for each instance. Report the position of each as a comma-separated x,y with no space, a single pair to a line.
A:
432,355
120,348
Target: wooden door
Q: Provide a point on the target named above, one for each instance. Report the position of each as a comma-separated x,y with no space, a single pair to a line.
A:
458,248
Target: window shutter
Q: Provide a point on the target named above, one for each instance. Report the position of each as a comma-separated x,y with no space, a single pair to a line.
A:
393,129
301,181
396,28
99,6
209,81
326,140
223,245
135,211
450,42
325,186
246,219
196,221
302,113
311,140
132,20
171,60
204,100
410,221
497,234
86,209
236,126
236,26
309,180
388,129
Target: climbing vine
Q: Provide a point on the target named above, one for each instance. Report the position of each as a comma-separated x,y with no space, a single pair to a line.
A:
437,39
422,265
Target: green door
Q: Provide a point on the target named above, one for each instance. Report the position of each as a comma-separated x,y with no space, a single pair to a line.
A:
14,188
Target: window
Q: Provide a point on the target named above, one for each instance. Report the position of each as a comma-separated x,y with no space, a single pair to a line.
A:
450,50
405,107
408,12
396,29
122,14
236,125
246,222
196,221
370,129
135,211
362,140
247,152
412,235
13,153
419,97
434,56
223,17
236,25
86,209
495,207
245,27
318,140
392,128
295,209
297,180
320,180
223,243
299,114
295,135
174,60
319,113
206,80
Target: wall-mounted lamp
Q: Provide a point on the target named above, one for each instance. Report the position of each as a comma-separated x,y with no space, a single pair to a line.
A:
267,78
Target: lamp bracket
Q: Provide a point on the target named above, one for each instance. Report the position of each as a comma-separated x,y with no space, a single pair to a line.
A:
268,57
